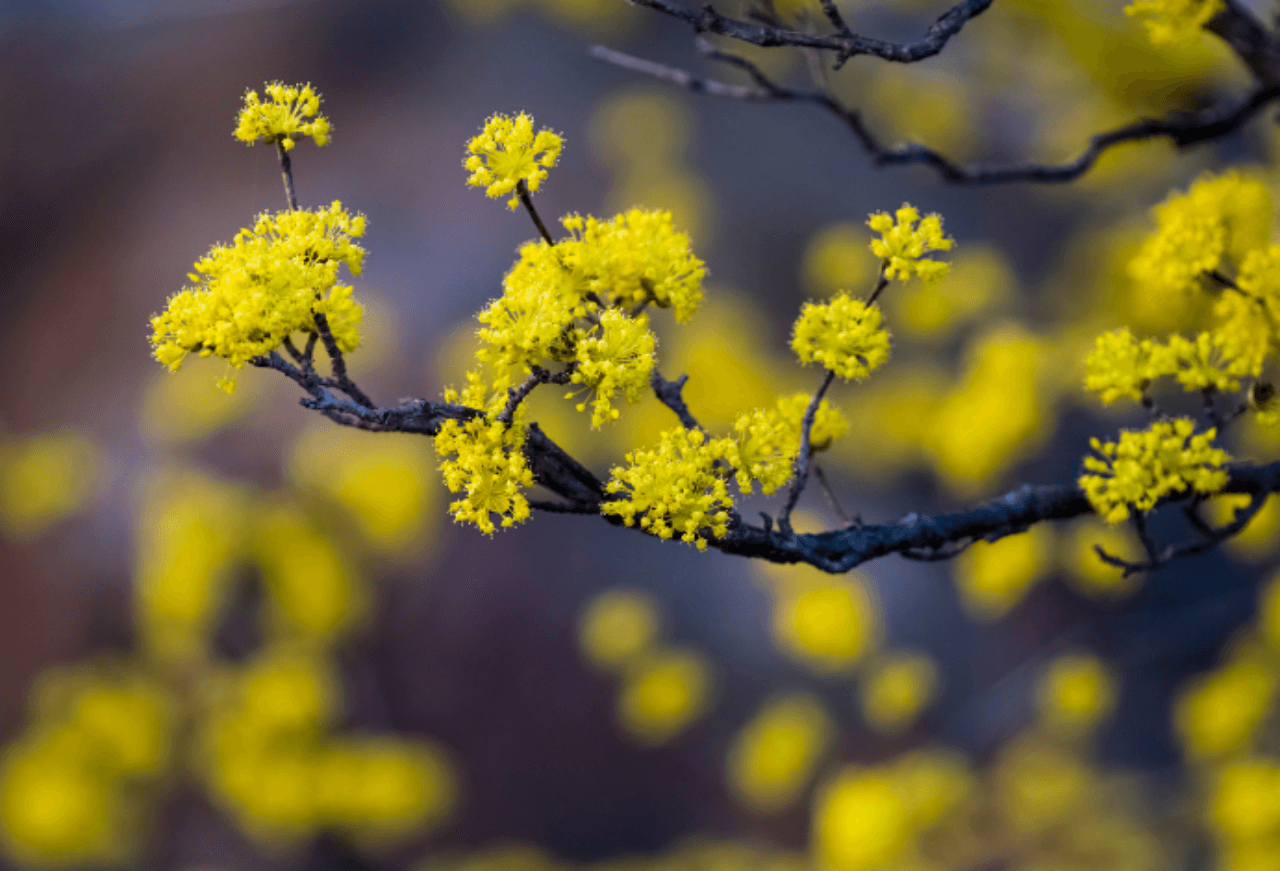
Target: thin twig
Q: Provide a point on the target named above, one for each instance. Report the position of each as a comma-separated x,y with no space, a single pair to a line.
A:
830,494
286,168
517,394
340,377
881,283
800,470
522,190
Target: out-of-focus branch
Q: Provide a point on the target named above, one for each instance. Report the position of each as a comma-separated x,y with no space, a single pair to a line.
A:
845,44
1181,128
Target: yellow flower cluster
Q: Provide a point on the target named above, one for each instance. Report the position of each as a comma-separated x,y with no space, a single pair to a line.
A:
675,488
485,458
636,257
1146,466
618,358
253,294
573,304
767,440
1218,220
288,113
507,152
843,335
903,245
1121,366
1171,21
1251,316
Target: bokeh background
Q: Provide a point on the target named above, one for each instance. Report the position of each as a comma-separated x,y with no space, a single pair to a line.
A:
234,636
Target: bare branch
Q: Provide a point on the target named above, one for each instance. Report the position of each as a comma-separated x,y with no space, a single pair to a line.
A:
845,44
1182,128
668,393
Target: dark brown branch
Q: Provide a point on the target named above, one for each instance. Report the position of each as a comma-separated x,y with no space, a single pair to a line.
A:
1182,128
516,395
340,378
915,537
669,394
845,44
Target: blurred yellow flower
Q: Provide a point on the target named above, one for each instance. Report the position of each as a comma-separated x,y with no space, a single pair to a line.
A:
860,821
994,576
662,694
826,624
617,626
773,756
1076,692
385,482
896,688
313,587
45,478
1218,712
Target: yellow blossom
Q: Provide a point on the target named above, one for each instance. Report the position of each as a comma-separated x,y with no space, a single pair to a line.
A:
663,694
1148,465
828,625
617,626
289,112
767,440
843,335
1219,712
774,755
829,422
268,284
764,449
507,152
484,457
1172,21
994,576
1076,692
675,488
896,688
861,821
1219,219
903,245
637,257
1120,366
45,478
616,356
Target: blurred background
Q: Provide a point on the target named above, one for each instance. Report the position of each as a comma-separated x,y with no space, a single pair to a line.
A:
236,636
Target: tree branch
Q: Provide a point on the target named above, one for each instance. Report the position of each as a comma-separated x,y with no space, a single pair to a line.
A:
1181,128
845,44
